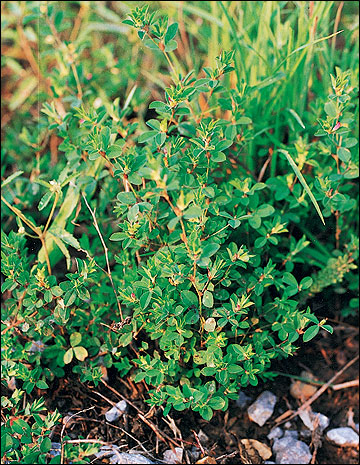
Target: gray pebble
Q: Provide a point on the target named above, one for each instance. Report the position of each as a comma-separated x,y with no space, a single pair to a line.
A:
55,449
37,346
343,436
289,450
262,409
275,433
305,434
173,457
309,417
243,400
125,458
203,437
115,412
291,434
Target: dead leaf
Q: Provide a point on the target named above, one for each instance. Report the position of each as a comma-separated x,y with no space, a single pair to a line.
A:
207,460
301,390
255,448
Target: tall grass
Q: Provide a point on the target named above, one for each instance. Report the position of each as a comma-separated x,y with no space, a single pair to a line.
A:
285,52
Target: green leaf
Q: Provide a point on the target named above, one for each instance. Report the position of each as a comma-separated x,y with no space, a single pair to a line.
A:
222,145
305,283
189,297
311,317
330,109
310,333
6,443
194,211
209,250
218,157
288,278
265,210
210,324
116,149
328,328
126,198
65,236
105,137
10,178
303,182
75,339
68,356
206,413
296,116
244,120
171,32
344,154
45,445
145,136
45,199
216,403
63,249
20,426
145,299
80,353
208,299
171,46
42,384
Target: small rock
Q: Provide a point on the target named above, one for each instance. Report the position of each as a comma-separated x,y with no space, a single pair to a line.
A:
203,438
115,412
207,460
11,384
262,409
129,459
305,434
195,453
275,433
287,425
343,436
105,451
291,434
243,400
37,346
173,457
289,450
309,417
301,390
55,449
255,448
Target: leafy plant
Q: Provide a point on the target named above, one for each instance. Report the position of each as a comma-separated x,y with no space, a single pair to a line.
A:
164,228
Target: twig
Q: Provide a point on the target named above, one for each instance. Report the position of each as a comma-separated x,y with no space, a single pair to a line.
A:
348,384
263,169
317,394
161,435
106,253
350,419
228,456
76,440
199,442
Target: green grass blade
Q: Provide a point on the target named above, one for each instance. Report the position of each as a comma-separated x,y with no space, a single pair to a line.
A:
303,182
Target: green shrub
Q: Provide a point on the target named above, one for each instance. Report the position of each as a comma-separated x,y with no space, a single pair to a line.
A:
188,265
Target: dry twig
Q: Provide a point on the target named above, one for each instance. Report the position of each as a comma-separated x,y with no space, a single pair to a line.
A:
285,416
106,254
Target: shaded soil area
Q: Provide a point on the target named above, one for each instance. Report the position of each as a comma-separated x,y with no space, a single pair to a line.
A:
149,433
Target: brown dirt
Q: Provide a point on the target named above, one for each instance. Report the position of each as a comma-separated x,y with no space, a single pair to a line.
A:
323,357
